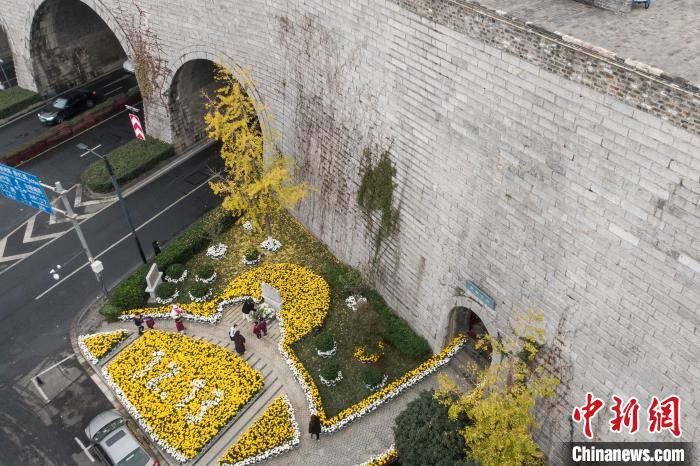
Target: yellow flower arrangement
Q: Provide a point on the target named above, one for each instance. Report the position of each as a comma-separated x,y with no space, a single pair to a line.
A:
181,390
274,432
383,459
98,345
361,353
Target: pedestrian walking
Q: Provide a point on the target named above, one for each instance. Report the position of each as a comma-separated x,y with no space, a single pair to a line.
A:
138,321
248,307
260,328
238,339
150,322
179,324
315,426
156,247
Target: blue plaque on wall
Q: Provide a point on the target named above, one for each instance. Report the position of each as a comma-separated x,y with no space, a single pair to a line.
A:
479,294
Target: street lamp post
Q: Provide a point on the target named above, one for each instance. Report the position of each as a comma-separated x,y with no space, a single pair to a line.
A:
7,80
108,165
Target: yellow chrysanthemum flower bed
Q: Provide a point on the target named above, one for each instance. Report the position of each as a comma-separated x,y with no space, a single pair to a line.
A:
181,390
306,295
362,355
274,432
383,459
98,345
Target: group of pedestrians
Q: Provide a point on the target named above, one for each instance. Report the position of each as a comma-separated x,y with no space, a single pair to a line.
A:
259,326
175,313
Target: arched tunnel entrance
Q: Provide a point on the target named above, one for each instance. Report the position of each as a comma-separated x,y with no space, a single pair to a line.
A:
70,44
192,82
465,321
7,68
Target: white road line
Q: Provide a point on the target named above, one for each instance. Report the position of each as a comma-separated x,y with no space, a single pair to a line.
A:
88,151
110,84
28,238
41,392
54,365
85,449
113,91
123,238
79,198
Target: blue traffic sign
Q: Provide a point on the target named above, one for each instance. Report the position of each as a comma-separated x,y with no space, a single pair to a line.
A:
23,187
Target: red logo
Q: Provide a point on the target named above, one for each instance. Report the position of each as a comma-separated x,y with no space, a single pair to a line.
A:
586,412
138,129
627,416
665,415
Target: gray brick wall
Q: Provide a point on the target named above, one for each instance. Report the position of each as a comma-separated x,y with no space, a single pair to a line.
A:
553,174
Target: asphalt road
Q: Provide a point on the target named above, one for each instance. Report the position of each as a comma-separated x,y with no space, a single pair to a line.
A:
63,163
36,313
21,130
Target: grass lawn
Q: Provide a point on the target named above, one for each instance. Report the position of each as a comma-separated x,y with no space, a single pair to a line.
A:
15,99
300,247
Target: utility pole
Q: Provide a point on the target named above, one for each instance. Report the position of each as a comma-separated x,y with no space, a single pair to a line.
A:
122,202
95,265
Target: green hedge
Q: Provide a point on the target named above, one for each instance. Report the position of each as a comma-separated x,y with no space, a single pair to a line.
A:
129,161
14,99
130,294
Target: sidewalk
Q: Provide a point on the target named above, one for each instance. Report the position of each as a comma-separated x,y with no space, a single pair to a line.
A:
352,445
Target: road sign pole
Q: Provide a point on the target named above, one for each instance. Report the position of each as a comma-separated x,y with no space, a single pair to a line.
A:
76,226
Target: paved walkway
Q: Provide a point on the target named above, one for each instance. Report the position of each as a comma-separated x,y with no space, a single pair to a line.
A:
666,36
352,445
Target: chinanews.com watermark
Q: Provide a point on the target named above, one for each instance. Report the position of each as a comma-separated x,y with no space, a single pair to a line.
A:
660,416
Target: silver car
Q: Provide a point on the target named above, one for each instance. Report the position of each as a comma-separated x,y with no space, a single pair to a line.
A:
115,443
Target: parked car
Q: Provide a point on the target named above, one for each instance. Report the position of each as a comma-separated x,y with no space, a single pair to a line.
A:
114,442
67,106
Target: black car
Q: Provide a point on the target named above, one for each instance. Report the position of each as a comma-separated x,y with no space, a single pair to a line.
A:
67,106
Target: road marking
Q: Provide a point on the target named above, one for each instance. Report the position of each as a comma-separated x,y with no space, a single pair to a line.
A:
3,243
126,76
28,238
88,151
38,388
113,91
74,136
85,449
79,198
123,238
54,365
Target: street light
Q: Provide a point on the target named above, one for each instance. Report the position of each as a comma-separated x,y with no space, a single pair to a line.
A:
85,148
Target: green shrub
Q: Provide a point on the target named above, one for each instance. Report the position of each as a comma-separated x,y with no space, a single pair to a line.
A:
252,254
14,99
324,341
175,271
396,331
199,289
128,161
329,370
166,290
131,293
372,376
204,271
424,434
110,312
193,239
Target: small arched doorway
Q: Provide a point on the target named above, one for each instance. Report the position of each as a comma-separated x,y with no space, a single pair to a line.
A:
465,321
8,78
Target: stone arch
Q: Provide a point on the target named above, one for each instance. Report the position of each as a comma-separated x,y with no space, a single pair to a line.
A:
186,106
71,42
461,312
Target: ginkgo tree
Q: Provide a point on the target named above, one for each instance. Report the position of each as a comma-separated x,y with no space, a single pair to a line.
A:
500,408
253,186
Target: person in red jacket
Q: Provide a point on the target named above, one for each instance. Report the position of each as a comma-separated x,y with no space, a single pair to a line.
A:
260,328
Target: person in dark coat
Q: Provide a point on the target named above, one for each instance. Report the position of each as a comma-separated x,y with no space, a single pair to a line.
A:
315,426
151,322
260,328
248,307
179,324
138,321
238,339
156,247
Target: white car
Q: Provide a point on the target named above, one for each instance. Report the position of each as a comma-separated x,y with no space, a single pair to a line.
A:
115,443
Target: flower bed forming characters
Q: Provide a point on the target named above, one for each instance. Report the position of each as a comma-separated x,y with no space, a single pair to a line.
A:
98,346
182,391
275,432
